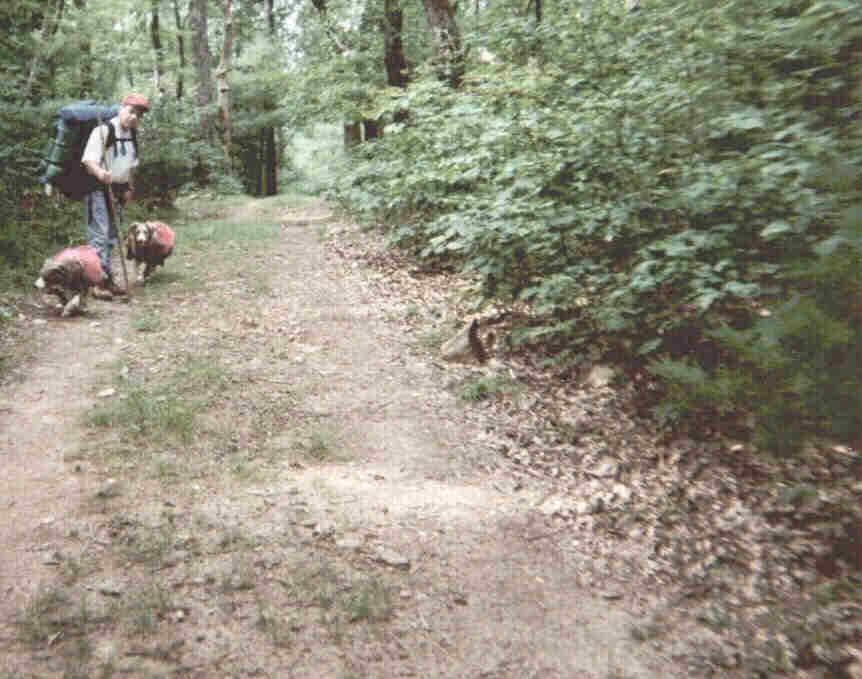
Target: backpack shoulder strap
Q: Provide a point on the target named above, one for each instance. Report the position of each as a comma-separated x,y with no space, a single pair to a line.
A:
112,135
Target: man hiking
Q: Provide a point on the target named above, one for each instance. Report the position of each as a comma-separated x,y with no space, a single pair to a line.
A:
111,156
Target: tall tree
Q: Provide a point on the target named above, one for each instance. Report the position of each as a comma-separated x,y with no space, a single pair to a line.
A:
269,173
392,26
181,50
441,20
197,21
158,55
223,78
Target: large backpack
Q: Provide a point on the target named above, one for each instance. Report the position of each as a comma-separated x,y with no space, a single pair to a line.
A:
61,165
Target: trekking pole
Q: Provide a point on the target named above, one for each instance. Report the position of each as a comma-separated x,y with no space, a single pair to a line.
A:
112,213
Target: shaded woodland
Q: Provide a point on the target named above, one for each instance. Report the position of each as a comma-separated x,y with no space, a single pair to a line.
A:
673,187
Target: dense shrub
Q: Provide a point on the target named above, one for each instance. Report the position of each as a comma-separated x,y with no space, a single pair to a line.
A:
798,370
31,224
642,179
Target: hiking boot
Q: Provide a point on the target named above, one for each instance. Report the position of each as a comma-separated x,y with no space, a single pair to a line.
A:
114,289
101,292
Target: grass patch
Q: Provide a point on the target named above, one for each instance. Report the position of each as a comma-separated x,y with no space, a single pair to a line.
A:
279,626
166,468
143,610
432,339
370,601
312,586
146,322
241,465
76,665
163,277
52,617
241,576
260,285
413,312
321,232
164,408
234,540
483,387
232,233
148,546
318,444
44,616
71,570
340,600
143,413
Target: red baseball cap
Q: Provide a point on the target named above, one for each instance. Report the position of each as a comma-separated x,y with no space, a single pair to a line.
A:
138,100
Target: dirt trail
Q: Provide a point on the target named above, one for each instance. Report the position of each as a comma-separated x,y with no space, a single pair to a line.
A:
40,435
401,498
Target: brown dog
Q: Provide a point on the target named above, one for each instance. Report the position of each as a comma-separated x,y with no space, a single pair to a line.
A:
148,244
69,275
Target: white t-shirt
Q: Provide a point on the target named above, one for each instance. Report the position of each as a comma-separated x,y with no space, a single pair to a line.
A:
120,158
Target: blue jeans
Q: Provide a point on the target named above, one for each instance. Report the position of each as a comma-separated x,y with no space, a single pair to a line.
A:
101,231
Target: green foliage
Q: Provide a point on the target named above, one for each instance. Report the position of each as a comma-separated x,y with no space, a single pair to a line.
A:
32,226
641,179
484,387
259,83
316,151
799,370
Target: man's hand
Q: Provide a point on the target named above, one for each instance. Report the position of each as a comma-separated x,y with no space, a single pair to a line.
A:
102,175
129,195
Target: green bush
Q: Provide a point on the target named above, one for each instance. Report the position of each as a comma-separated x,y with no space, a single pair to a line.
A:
641,179
797,371
32,226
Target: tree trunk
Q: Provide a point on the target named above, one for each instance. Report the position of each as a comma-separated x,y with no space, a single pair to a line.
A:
371,129
270,162
352,135
270,17
51,22
393,45
158,55
269,171
441,20
222,79
201,56
181,50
